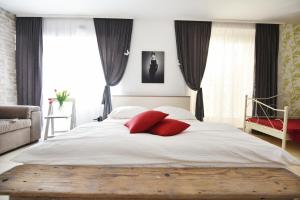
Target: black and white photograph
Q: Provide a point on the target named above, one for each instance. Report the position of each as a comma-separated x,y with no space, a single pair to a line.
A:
153,66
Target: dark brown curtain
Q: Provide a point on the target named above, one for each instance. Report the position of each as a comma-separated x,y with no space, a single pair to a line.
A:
266,59
113,36
29,50
192,39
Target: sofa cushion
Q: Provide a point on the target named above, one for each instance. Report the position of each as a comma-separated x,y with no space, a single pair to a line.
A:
18,111
7,125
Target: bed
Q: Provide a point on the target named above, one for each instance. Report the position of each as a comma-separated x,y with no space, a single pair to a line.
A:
109,143
283,127
211,160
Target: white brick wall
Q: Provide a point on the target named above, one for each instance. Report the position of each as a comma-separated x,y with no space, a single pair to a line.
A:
8,91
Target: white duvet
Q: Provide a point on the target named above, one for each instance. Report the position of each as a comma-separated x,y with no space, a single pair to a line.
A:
202,145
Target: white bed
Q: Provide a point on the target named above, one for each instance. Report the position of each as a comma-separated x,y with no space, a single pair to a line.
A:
109,143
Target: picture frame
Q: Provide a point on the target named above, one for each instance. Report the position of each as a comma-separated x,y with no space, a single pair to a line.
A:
153,66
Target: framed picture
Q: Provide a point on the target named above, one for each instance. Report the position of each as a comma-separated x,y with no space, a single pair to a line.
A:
153,66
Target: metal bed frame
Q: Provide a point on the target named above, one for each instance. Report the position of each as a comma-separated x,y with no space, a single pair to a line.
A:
281,134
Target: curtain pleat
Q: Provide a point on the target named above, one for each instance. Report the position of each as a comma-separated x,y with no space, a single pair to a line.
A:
29,50
266,64
113,37
192,40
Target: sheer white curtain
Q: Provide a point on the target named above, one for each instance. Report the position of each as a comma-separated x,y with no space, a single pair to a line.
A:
71,61
229,72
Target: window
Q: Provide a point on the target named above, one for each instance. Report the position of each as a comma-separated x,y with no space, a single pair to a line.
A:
229,72
71,61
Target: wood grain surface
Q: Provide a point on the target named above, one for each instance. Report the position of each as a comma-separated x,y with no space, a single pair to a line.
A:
45,182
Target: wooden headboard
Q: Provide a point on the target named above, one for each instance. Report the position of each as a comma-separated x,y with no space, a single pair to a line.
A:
151,101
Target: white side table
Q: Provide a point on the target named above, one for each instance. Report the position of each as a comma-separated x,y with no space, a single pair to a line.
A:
50,118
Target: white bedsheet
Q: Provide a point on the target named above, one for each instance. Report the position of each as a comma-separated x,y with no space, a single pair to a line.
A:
202,145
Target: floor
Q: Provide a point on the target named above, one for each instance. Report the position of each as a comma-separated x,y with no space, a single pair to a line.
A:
6,164
292,147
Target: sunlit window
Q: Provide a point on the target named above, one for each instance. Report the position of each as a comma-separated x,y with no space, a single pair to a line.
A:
71,62
229,72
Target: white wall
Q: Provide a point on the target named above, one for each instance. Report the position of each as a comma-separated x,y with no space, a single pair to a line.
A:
152,35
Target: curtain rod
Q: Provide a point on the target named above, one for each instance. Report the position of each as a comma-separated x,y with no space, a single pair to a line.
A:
145,18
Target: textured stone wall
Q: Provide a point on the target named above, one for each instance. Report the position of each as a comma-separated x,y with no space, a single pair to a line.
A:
289,68
8,93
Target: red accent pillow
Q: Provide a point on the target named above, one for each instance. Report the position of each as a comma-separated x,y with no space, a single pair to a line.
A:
144,121
169,127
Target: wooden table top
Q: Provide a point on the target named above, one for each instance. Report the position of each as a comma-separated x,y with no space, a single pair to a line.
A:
94,182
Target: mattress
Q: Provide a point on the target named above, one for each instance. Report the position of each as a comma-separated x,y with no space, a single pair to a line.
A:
293,127
109,143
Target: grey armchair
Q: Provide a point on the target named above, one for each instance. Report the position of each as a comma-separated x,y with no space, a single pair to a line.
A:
19,125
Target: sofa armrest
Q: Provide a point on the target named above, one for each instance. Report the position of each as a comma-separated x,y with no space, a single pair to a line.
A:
36,126
20,112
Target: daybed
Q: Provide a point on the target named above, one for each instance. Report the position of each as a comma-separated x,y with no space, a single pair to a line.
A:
283,127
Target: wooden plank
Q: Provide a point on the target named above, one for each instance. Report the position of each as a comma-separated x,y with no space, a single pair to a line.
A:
92,182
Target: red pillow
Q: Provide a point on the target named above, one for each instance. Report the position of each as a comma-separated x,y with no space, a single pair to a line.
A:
169,127
144,121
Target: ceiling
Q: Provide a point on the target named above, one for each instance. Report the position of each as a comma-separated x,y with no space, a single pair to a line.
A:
268,11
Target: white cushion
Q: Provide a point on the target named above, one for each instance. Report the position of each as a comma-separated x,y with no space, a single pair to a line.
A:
126,112
175,112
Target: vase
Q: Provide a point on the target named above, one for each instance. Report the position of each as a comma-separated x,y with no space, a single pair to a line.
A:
61,109
61,103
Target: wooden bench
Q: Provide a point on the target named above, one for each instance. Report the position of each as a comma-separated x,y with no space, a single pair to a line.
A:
45,182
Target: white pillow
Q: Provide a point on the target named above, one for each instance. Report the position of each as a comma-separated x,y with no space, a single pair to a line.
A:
175,112
126,112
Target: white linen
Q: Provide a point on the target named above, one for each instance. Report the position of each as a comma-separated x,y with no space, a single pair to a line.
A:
176,112
109,143
126,112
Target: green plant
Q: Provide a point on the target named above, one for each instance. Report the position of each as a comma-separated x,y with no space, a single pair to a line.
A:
61,96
